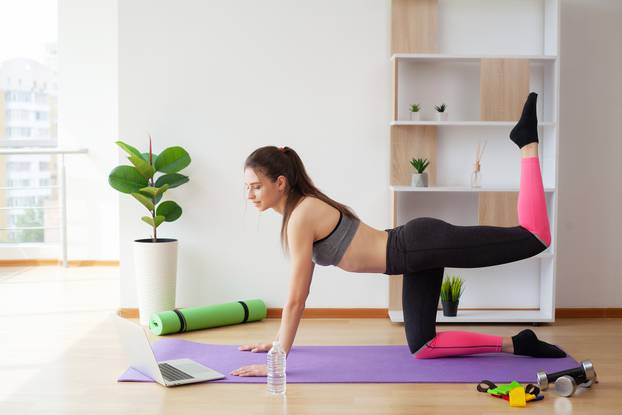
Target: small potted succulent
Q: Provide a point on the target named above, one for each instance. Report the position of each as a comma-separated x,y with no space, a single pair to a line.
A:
414,112
441,112
451,290
419,179
155,259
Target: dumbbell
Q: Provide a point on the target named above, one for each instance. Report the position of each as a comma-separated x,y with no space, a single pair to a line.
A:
566,380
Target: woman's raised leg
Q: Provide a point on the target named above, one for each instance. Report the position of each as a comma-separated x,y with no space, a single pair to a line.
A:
434,244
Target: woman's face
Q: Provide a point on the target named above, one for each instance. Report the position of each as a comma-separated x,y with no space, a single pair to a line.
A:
261,191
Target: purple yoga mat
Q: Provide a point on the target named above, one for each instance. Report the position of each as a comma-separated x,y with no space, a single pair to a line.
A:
357,364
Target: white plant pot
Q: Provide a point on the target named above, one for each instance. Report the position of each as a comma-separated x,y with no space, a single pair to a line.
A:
155,268
441,116
419,180
415,116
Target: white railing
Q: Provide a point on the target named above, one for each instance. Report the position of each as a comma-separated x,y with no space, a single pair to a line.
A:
61,185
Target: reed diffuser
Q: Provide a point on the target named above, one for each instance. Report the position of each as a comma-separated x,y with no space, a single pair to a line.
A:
476,175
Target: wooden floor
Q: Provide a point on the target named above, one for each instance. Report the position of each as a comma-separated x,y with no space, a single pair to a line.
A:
59,354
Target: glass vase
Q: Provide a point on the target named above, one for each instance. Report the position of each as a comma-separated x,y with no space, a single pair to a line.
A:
476,176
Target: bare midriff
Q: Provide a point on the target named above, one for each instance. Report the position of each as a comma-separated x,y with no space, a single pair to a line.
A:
367,251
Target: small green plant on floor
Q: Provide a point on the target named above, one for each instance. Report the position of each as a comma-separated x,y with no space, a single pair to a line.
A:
419,164
452,288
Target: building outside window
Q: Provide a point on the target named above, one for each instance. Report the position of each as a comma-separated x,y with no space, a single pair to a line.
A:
28,108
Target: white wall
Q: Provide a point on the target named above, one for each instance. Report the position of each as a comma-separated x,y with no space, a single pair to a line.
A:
88,111
224,77
590,172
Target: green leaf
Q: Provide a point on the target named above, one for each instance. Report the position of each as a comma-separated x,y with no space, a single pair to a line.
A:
132,151
126,179
144,200
172,160
154,191
173,180
170,210
158,220
145,156
452,288
142,166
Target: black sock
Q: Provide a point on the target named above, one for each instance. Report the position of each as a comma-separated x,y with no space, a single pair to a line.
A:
527,344
526,130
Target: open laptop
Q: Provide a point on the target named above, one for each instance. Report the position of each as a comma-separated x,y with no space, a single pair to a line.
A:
167,373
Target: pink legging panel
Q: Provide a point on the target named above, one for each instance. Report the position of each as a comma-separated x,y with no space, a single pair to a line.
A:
532,214
455,343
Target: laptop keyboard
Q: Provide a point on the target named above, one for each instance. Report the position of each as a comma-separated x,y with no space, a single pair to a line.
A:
172,374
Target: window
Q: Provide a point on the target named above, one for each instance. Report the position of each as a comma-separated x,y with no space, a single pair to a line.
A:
18,96
18,165
28,84
18,183
41,98
17,115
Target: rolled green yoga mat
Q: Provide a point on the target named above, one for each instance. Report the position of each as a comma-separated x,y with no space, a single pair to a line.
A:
197,318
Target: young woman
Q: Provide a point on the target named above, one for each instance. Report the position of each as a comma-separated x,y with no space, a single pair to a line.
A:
319,230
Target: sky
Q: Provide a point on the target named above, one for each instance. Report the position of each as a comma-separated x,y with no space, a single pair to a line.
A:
26,27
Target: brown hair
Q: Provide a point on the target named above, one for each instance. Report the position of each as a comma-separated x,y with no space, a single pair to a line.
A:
274,162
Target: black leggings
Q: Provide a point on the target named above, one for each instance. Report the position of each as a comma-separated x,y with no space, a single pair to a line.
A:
423,247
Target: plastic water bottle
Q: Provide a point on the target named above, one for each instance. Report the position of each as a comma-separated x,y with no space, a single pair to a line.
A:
276,369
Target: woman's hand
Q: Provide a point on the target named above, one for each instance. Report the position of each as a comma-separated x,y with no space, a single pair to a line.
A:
251,370
256,347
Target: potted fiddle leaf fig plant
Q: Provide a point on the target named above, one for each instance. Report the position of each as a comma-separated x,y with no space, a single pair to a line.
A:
419,179
451,290
155,259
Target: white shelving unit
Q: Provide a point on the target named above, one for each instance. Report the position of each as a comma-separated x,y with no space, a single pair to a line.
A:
523,291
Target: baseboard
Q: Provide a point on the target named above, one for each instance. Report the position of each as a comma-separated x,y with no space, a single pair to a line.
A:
588,312
384,313
307,313
56,262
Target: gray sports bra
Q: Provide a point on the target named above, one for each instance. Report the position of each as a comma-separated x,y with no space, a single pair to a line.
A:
330,250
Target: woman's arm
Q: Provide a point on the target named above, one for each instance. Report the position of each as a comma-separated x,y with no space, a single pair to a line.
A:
289,325
300,239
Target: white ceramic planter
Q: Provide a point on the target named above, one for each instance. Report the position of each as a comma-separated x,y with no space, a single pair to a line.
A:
441,116
419,180
155,269
415,116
